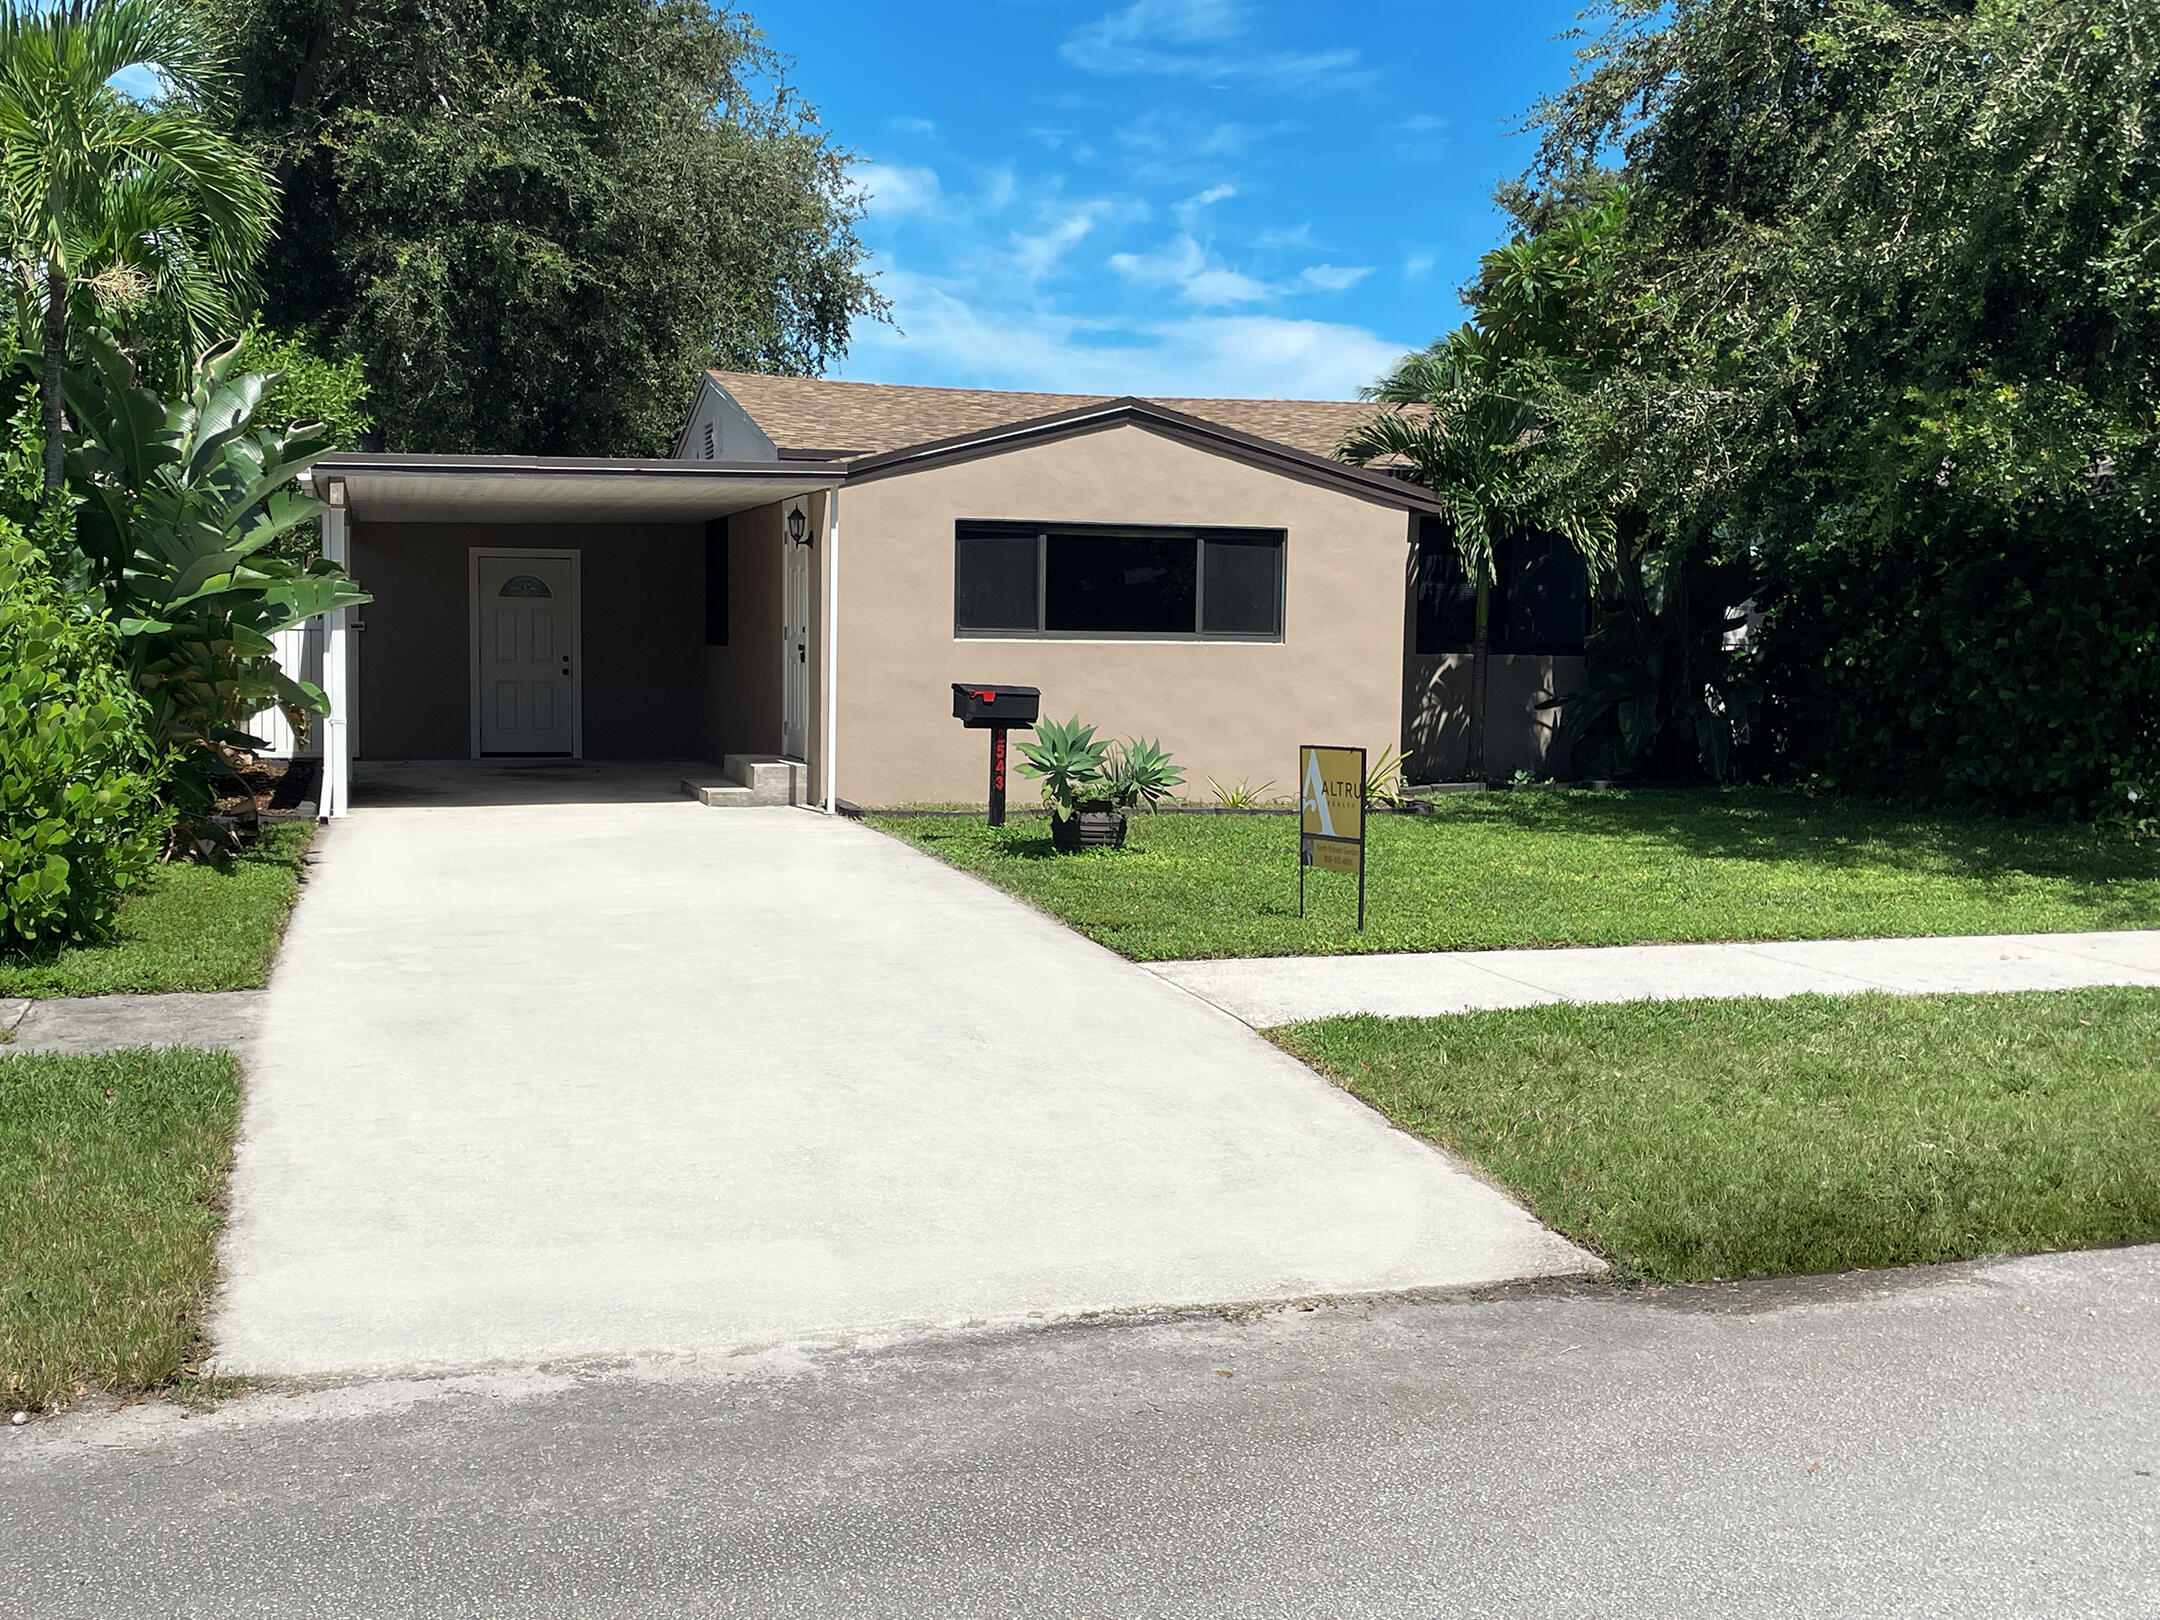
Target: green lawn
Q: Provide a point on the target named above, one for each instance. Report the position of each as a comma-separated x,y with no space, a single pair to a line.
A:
112,1178
1690,1140
189,928
1568,868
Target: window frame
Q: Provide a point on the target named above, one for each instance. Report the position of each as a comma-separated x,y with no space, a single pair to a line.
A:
965,529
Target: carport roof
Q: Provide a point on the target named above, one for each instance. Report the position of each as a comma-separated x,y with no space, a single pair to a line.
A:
392,488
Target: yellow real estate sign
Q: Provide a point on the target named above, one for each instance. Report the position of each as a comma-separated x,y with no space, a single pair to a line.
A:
1332,792
1331,816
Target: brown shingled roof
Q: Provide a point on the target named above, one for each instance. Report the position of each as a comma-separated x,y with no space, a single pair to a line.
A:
846,419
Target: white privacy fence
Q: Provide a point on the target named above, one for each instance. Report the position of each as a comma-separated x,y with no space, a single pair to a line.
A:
299,655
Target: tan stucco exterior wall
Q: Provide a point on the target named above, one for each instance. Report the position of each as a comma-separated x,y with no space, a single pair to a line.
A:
1227,710
1518,736
642,625
739,694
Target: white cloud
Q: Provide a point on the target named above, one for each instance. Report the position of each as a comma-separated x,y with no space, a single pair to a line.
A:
1418,266
1422,139
1193,272
1333,277
1186,266
913,126
943,337
894,190
1203,39
1192,207
1038,254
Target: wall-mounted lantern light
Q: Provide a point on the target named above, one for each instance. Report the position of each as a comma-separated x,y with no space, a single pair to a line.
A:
798,525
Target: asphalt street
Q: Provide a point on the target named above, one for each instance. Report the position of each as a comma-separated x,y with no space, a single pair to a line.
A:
1978,1440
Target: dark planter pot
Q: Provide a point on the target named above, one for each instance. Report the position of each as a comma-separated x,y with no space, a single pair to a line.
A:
1092,826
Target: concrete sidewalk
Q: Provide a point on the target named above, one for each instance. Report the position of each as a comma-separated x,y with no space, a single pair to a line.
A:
223,1020
1264,991
607,1078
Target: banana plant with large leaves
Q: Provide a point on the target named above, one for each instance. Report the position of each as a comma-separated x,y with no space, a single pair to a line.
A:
183,510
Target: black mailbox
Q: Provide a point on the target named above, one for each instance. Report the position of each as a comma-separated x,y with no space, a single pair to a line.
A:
997,710
994,708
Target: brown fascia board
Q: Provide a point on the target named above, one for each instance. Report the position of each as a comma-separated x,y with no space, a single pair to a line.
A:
1247,447
378,461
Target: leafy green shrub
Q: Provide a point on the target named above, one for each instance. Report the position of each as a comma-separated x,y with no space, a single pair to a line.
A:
182,512
1951,656
79,813
309,388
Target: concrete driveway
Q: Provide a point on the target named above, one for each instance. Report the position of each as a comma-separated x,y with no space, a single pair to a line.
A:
601,1072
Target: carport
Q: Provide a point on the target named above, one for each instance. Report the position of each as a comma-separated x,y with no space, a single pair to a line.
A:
577,608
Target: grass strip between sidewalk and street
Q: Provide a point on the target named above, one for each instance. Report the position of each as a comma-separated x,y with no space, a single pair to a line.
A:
1691,1140
1552,867
190,927
112,1186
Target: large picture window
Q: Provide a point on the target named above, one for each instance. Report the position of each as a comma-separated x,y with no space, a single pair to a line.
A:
1544,597
1540,601
1444,596
1102,580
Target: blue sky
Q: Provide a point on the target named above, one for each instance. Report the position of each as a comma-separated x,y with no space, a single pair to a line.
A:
1197,197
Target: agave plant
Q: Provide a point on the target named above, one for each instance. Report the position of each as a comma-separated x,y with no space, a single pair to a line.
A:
1139,772
1065,757
1243,796
181,508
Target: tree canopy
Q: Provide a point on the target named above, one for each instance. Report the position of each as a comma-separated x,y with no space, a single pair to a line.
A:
98,191
1874,342
537,221
1875,247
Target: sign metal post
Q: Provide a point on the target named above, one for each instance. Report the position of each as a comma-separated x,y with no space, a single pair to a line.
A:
1331,816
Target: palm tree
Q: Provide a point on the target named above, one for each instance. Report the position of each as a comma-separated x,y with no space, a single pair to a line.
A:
1457,420
101,191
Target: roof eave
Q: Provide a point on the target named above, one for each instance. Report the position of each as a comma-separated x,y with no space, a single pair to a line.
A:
1147,414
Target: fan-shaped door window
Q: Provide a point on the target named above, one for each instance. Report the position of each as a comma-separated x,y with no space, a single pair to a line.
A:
524,585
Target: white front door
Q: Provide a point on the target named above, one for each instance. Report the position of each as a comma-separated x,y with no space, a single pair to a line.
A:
795,651
526,652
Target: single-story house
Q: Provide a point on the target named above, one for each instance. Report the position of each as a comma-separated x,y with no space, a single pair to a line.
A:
817,562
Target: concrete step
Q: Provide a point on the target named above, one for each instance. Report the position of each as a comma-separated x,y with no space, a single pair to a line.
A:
718,792
752,779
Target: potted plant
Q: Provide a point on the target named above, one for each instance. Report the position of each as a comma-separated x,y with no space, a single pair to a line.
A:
1065,757
1089,785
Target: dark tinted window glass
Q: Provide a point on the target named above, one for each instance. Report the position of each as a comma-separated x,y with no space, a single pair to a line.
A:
996,583
1446,596
716,583
1244,587
1545,597
1129,584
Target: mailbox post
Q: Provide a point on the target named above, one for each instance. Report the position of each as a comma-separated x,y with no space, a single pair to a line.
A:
997,710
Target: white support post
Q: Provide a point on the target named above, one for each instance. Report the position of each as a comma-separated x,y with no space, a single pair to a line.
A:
832,651
335,800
